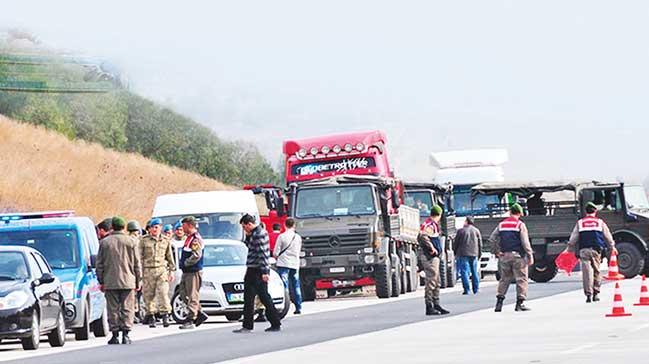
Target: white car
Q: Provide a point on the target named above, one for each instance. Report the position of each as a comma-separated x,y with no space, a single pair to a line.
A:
221,294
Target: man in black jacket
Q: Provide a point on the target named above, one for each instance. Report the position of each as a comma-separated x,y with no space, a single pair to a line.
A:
257,276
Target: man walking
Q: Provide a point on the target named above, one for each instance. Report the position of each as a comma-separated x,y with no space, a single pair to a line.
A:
191,264
511,244
589,237
158,269
119,275
287,253
257,276
468,248
430,249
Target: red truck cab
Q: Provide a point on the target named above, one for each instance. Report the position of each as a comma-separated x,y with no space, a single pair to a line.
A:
272,209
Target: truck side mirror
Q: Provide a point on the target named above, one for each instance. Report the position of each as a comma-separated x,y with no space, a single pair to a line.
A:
279,205
395,199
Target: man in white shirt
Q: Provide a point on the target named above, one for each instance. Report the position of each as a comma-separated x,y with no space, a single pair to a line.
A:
287,253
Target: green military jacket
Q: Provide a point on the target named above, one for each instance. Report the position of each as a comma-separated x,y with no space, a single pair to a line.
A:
156,252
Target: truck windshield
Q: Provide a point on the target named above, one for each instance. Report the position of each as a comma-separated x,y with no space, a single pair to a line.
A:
59,247
462,202
420,200
636,198
223,225
335,201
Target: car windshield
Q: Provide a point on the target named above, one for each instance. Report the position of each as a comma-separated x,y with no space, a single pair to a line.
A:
636,197
462,202
12,266
335,201
59,247
224,255
421,201
214,226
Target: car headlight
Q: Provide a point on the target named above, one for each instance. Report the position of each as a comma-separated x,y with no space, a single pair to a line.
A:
208,285
67,289
13,300
369,259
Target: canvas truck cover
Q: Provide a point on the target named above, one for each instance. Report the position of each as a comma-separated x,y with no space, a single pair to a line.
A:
529,188
469,158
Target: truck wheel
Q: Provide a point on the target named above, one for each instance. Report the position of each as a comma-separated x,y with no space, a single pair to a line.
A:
100,326
83,333
629,259
413,279
543,270
451,277
442,271
308,290
383,279
396,279
403,274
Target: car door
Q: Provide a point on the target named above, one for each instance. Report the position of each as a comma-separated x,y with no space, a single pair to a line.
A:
51,290
97,301
41,293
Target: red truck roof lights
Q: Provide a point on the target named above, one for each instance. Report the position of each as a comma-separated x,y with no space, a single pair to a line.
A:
361,153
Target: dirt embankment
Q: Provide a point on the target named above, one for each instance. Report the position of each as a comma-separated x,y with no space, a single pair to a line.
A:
43,170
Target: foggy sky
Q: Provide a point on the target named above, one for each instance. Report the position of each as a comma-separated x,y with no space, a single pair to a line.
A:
563,85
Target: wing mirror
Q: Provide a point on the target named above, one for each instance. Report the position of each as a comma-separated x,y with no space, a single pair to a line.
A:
395,199
46,278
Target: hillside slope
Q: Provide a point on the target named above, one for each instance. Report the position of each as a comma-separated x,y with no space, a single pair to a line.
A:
44,170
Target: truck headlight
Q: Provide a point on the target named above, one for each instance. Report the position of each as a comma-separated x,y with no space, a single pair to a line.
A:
208,285
302,263
15,299
67,289
369,259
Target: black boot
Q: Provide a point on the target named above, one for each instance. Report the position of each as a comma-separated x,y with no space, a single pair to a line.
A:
588,299
441,309
165,320
115,339
431,311
596,297
125,339
200,318
520,306
261,317
146,320
152,321
499,303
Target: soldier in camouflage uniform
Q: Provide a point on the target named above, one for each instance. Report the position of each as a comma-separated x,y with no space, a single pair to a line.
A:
135,232
158,269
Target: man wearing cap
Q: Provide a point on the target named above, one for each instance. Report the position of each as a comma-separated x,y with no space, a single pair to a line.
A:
158,269
168,231
430,245
119,276
133,229
588,239
179,234
511,244
191,264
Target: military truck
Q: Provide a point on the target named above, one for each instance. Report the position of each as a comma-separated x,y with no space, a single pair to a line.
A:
355,233
553,208
422,196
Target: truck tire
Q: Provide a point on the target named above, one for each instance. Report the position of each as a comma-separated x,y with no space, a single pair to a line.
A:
403,273
413,280
629,259
543,270
396,279
442,271
383,279
308,290
451,277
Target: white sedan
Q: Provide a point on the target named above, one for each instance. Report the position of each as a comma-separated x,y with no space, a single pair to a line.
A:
221,294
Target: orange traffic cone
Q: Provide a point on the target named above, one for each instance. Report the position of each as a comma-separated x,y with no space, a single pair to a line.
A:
613,271
618,306
644,293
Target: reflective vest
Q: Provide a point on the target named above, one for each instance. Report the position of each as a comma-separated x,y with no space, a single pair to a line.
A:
432,230
510,235
591,232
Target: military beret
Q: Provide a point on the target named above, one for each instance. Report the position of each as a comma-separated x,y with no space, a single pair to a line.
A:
167,227
118,223
436,210
178,225
516,209
155,221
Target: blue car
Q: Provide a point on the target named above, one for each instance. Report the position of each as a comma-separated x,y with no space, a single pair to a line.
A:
70,246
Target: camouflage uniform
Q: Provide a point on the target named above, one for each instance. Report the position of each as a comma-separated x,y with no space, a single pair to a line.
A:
157,265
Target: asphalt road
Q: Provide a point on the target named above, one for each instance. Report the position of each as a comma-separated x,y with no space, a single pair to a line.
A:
219,344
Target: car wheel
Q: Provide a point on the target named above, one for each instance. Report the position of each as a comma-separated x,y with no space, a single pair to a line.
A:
83,332
287,304
33,341
178,309
100,326
233,316
57,336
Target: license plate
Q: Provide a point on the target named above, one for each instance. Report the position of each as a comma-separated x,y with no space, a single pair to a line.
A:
337,270
235,297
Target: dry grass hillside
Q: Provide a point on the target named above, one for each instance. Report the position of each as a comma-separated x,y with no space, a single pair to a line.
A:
43,170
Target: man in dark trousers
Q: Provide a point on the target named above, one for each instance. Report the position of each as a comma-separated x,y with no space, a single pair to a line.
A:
468,246
119,275
257,276
191,263
430,249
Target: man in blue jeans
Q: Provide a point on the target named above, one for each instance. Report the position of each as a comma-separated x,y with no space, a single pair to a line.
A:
287,253
467,247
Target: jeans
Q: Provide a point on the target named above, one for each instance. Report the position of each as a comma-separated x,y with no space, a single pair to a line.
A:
466,266
291,278
255,286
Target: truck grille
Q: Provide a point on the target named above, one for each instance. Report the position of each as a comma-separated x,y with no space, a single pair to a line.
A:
343,241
